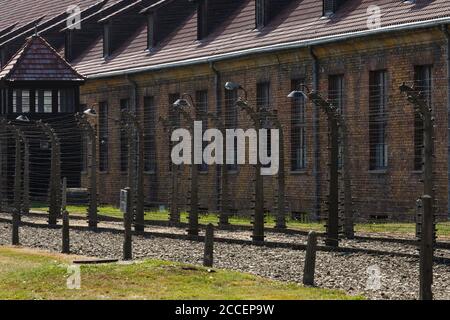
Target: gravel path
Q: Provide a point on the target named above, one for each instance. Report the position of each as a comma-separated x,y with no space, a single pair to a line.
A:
399,275
246,235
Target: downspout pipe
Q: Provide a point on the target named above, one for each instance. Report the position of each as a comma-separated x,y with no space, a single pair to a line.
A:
316,138
447,36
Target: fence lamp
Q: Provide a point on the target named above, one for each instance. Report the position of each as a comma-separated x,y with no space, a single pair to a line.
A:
90,112
300,94
230,86
186,101
23,118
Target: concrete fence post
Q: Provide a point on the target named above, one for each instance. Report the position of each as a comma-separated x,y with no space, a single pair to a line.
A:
332,238
334,122
208,259
310,260
65,232
426,225
127,209
65,219
426,250
90,133
17,190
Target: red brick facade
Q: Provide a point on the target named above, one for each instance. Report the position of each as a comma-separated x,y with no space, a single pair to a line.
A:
389,193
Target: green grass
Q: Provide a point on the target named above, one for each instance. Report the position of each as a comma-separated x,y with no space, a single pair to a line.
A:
443,229
35,275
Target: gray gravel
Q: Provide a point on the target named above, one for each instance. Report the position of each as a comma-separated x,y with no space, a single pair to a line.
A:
399,276
270,236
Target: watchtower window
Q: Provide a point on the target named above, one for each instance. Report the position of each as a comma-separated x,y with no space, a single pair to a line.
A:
21,101
66,99
44,101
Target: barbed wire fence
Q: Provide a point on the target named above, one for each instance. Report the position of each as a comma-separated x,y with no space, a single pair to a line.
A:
82,158
37,154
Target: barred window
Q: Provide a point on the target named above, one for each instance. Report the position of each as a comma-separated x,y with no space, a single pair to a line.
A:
66,99
201,98
298,130
336,97
21,101
423,82
378,120
84,145
103,136
124,105
44,101
149,134
231,120
263,103
175,123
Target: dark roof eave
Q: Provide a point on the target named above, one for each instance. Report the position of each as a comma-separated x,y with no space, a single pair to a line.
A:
156,6
44,84
76,81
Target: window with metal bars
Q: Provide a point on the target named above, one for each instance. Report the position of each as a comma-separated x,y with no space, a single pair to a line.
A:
231,120
175,123
298,130
44,101
263,103
423,83
378,120
261,12
21,101
84,145
84,153
66,100
124,105
336,97
201,100
103,136
149,134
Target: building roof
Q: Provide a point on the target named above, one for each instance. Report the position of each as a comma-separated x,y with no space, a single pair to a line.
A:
300,22
38,61
21,12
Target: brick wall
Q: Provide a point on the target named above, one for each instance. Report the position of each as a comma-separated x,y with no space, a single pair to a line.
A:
391,192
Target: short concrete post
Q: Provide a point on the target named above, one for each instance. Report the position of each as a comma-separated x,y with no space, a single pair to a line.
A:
15,228
310,260
17,192
65,219
426,250
65,233
127,208
208,259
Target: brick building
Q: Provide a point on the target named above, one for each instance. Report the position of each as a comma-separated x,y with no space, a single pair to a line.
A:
142,55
